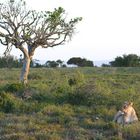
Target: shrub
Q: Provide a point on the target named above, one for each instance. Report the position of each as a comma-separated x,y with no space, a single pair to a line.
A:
8,103
14,87
84,94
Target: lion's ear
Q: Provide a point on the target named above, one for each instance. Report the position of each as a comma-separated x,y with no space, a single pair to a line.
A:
131,103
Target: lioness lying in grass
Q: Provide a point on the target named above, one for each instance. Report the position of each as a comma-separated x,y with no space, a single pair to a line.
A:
126,115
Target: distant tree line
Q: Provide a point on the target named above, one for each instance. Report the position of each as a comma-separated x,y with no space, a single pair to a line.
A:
130,60
12,62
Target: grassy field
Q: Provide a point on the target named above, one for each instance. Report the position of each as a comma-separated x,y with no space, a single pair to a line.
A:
68,104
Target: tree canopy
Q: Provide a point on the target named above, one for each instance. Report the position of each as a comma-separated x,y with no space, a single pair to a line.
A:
130,60
81,62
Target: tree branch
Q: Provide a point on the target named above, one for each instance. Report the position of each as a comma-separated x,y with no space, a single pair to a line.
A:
3,43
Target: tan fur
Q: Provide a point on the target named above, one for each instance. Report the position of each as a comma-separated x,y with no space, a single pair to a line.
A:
126,115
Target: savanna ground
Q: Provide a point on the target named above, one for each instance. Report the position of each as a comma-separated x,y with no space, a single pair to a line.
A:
68,104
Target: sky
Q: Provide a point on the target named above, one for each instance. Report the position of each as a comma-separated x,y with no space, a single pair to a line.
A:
109,28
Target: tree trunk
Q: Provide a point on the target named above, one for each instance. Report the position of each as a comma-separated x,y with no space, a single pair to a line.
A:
25,70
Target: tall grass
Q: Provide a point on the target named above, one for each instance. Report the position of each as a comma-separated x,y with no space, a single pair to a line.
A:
68,104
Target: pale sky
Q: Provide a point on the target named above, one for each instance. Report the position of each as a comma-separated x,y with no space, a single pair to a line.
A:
109,28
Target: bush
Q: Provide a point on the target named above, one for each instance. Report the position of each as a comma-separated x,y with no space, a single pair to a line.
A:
14,87
85,94
8,103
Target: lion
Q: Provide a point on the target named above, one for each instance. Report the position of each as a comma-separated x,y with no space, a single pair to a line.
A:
126,115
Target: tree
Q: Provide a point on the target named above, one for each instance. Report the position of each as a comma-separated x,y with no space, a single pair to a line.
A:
131,60
119,62
28,29
51,64
60,62
81,62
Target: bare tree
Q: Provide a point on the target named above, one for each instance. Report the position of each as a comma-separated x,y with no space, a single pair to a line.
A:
28,29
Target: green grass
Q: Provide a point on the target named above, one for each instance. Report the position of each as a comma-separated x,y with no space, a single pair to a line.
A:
68,104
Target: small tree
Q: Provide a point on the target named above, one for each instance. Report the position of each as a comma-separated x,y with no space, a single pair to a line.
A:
60,63
81,62
28,29
52,64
